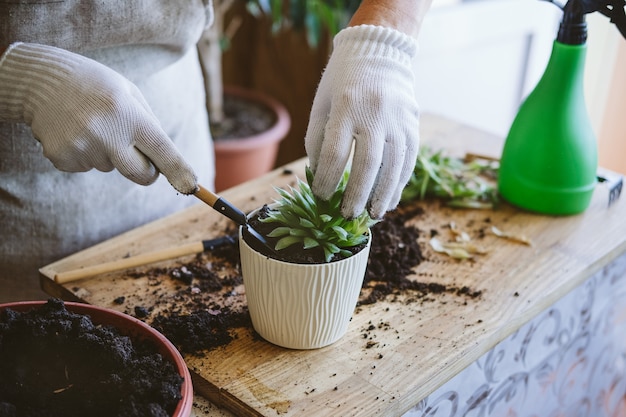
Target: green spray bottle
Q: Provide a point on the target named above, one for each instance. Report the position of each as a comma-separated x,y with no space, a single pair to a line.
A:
549,160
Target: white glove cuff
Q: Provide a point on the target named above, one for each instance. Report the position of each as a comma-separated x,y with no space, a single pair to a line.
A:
369,40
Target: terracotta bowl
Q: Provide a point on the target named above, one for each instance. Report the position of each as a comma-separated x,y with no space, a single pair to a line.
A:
136,330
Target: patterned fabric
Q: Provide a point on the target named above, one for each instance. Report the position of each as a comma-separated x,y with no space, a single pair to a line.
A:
46,214
570,361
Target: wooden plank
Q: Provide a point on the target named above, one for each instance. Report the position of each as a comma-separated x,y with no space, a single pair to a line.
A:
397,351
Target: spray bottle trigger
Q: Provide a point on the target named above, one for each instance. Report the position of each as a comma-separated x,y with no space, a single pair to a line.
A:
615,11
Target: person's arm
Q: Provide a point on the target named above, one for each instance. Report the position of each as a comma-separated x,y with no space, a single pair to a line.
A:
403,15
366,96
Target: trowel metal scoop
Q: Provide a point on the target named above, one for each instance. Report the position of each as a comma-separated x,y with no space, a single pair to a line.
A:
233,213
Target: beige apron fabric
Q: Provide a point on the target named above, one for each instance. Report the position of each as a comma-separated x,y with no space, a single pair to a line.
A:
46,214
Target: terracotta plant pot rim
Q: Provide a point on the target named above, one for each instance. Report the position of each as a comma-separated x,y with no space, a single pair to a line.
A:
274,134
122,322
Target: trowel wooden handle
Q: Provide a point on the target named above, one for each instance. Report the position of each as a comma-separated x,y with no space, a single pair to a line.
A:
221,205
207,196
143,259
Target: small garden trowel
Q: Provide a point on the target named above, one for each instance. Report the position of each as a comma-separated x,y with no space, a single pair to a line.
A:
233,213
257,241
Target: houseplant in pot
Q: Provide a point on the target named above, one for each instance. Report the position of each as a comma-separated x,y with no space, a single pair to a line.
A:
312,18
302,294
247,125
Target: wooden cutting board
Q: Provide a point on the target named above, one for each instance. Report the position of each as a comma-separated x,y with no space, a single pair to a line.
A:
396,351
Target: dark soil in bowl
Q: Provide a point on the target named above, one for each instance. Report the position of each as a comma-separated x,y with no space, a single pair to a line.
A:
54,362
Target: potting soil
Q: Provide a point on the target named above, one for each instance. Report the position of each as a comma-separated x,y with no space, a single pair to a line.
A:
57,363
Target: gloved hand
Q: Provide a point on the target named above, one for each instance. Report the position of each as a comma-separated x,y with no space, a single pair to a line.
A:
87,116
366,95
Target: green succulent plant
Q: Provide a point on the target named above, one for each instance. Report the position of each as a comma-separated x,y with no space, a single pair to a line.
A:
304,219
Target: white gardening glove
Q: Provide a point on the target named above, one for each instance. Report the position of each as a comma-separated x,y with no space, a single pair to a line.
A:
87,116
366,95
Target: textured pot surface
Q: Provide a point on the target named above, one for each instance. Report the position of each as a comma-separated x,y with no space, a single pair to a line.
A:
301,306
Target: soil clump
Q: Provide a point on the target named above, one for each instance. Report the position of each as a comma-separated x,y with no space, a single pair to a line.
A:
54,362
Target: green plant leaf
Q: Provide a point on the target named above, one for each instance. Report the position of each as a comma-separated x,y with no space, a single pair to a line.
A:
280,231
307,223
345,253
459,183
287,241
341,232
310,243
326,218
299,232
331,247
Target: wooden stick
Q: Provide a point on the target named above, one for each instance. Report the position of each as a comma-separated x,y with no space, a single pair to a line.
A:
210,198
143,259
130,262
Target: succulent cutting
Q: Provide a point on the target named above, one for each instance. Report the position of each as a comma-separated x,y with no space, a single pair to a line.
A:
461,183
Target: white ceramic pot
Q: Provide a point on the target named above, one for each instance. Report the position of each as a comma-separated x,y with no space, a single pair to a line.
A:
301,306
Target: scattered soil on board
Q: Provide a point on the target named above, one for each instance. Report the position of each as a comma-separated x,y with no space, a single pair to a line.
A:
394,254
242,118
209,306
57,363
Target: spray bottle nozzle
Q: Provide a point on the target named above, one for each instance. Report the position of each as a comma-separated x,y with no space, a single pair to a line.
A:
573,28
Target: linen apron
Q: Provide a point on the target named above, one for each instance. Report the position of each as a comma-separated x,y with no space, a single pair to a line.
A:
46,214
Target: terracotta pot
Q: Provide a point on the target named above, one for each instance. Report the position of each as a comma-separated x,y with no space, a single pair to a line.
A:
301,306
136,330
241,159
